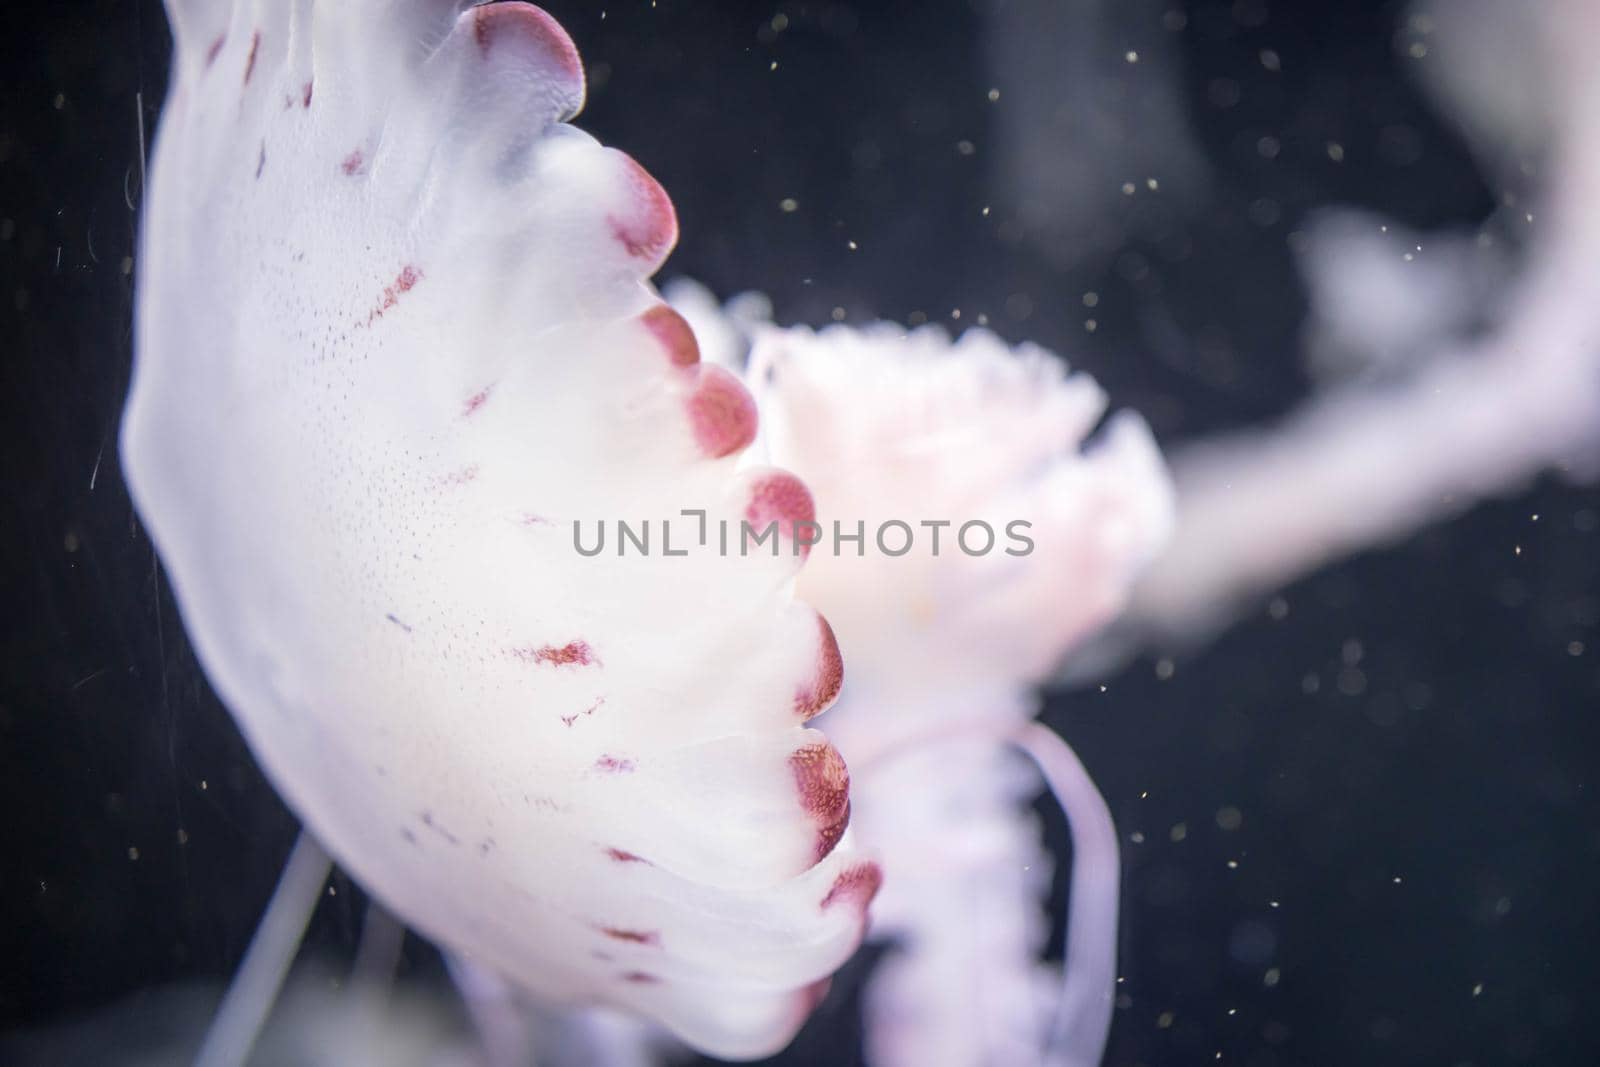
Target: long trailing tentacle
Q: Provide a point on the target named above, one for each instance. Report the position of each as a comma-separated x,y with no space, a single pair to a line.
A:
1089,971
255,987
1087,983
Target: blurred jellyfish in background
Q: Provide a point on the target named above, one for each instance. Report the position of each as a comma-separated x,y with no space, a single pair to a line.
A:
1458,377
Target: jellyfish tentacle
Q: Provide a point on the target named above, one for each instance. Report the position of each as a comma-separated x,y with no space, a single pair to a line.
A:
501,1023
1026,1022
378,952
255,986
961,907
372,974
1089,970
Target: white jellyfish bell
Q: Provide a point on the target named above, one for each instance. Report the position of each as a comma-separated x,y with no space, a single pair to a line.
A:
394,340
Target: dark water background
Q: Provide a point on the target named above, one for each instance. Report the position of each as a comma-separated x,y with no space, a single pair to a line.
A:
1426,819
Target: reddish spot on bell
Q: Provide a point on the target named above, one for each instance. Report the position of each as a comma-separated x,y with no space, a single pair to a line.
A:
674,334
780,497
817,693
824,785
455,479
640,978
477,400
614,765
250,64
573,653
624,856
353,163
648,227
305,95
403,282
215,49
636,937
722,413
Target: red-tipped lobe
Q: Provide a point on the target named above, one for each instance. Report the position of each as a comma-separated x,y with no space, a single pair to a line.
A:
855,887
674,334
817,693
647,227
529,29
823,782
721,413
527,49
779,497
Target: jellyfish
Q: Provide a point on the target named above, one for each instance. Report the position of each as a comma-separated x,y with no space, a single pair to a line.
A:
394,337
969,539
1473,357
